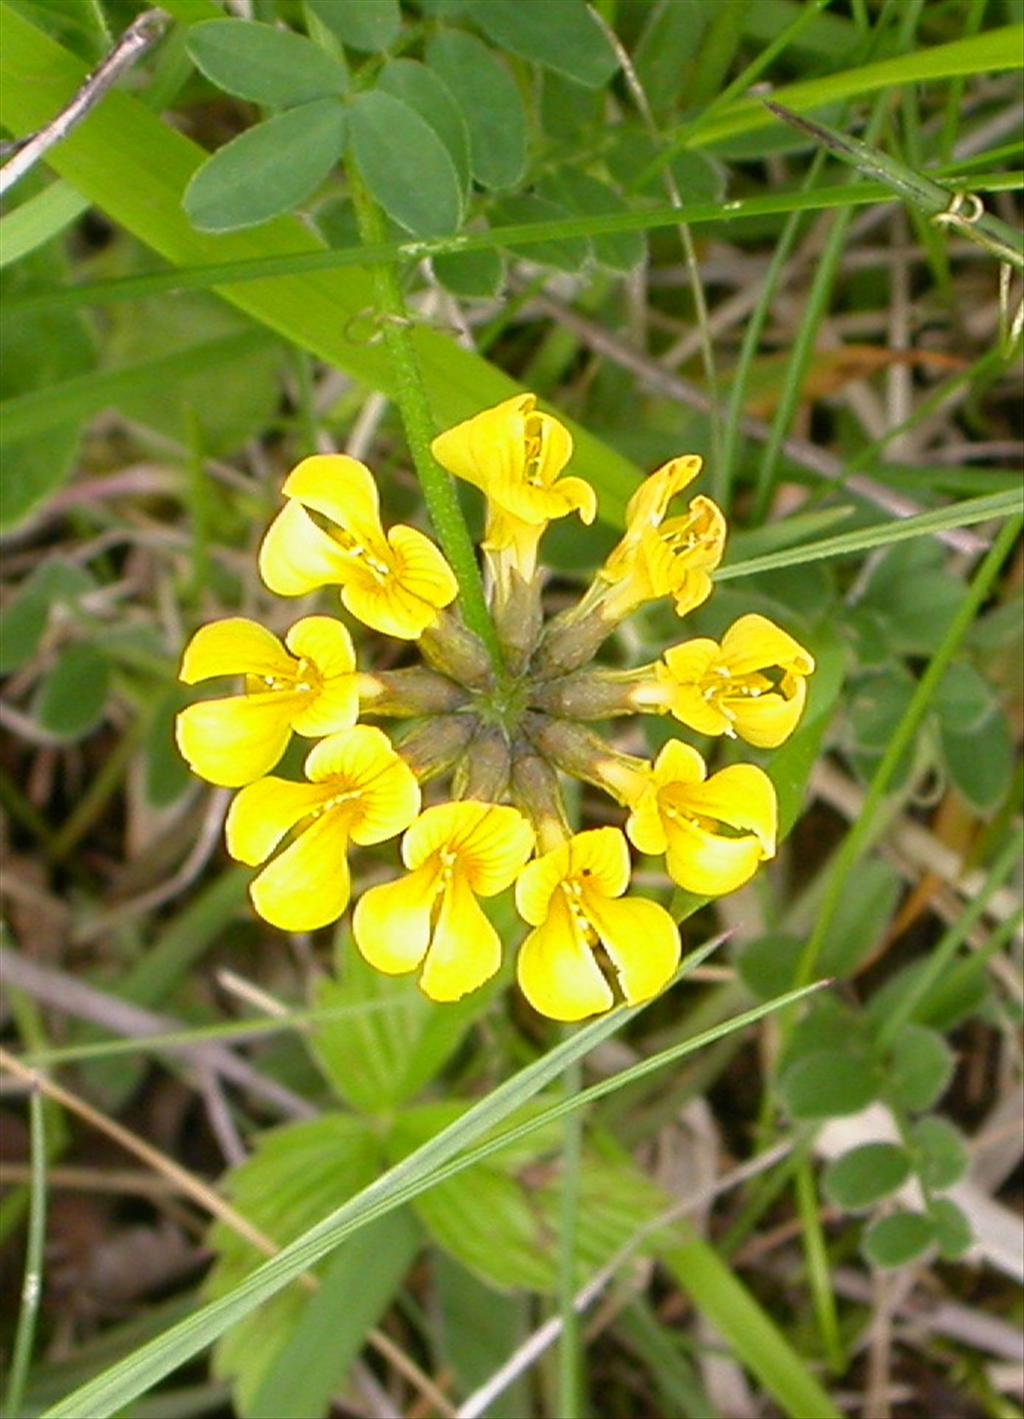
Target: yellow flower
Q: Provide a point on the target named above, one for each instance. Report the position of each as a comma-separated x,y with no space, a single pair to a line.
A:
681,812
514,455
723,689
573,897
358,788
312,688
661,556
396,583
456,852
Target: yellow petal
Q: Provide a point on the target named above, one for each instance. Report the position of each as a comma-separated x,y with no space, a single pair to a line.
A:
382,795
708,864
688,705
767,720
490,447
388,806
465,950
297,556
490,842
333,707
391,923
679,763
690,662
357,755
644,826
538,881
557,971
306,886
641,939
538,504
421,568
388,608
741,796
263,812
342,489
234,646
325,642
754,643
649,504
601,856
691,590
235,740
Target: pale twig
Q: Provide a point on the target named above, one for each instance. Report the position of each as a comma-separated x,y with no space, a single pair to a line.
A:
806,455
85,1002
140,35
534,1346
212,1203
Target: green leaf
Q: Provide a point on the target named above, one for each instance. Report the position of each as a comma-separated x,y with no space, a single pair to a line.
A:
865,1175
768,963
166,775
478,1328
569,254
587,196
941,1154
357,1286
264,64
366,25
491,106
963,699
564,37
667,45
428,94
894,1241
877,705
473,274
23,620
294,1176
405,165
981,763
828,1084
953,1235
864,914
74,693
918,1069
268,169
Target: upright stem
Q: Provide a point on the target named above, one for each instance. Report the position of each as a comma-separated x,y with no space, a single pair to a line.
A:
411,398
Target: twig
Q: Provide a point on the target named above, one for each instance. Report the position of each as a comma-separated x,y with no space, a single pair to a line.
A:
140,35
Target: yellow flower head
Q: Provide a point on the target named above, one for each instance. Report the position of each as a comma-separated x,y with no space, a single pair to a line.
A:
395,582
456,852
714,831
723,689
358,789
573,898
514,455
310,687
665,556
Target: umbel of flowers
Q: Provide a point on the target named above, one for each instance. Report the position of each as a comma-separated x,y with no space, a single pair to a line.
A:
504,737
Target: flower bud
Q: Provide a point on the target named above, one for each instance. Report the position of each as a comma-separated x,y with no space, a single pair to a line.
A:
586,695
431,748
456,652
407,694
585,755
537,793
483,771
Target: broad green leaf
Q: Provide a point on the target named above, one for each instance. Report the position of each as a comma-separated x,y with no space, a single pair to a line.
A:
940,1152
166,775
863,1176
964,699
478,1330
357,1286
877,705
23,620
918,1069
919,609
827,1025
473,274
587,196
405,165
294,1176
37,351
73,695
491,106
265,64
631,152
864,914
268,169
366,25
569,112
894,1241
565,37
668,43
426,92
961,994
768,963
570,254
953,1235
828,1083
980,763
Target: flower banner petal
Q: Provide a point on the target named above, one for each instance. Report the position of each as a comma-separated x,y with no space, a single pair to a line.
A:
235,740
642,940
234,646
557,971
341,488
391,922
297,556
263,812
307,885
325,642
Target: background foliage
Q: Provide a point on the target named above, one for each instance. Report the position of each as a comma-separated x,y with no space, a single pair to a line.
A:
751,1193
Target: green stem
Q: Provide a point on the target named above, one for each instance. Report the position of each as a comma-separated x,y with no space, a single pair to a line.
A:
568,1348
33,1283
411,398
818,1269
861,833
